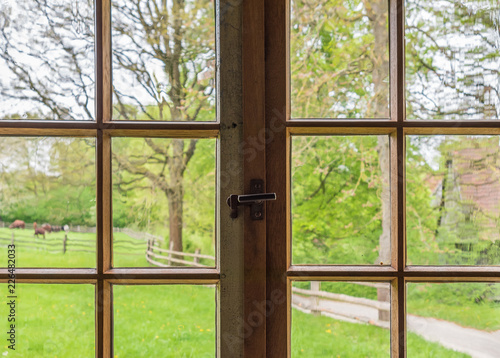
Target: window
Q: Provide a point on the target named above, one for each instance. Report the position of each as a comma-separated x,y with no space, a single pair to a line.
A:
105,106
131,122
391,135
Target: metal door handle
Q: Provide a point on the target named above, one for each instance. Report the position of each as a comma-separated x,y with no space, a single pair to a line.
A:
256,200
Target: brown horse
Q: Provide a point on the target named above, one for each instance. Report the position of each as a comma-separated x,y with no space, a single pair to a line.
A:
47,228
17,224
38,230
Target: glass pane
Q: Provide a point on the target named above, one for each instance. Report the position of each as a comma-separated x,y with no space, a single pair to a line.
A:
453,200
339,59
49,321
48,200
47,59
164,60
163,202
340,319
164,321
463,317
452,59
340,200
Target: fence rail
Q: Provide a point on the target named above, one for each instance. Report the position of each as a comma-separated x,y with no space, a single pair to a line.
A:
154,252
67,243
341,306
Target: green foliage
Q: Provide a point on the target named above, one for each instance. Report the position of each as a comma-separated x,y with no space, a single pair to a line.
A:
336,205
49,180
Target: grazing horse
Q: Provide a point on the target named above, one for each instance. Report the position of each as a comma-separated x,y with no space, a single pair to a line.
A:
17,224
47,228
56,228
38,231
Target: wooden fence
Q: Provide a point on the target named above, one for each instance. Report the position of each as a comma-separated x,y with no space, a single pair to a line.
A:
157,256
50,245
67,243
359,309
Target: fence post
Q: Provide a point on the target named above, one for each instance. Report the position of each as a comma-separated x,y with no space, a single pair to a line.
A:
12,239
64,243
384,295
171,246
196,258
315,286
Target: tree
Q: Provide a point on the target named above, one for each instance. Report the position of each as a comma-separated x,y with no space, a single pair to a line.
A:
163,58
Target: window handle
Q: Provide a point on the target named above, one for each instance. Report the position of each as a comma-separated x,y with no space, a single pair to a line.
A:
255,200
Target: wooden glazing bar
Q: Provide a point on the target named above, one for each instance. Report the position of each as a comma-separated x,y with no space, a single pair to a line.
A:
395,342
106,204
459,271
344,278
47,274
452,124
99,319
99,201
400,325
184,274
154,126
107,319
129,125
370,123
50,281
72,132
340,130
173,281
98,72
166,133
348,123
57,273
455,278
104,62
306,271
394,175
452,131
100,341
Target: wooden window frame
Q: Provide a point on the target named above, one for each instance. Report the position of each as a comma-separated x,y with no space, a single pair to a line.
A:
280,271
228,272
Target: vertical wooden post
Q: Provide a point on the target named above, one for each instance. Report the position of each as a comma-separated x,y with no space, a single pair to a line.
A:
196,258
315,286
171,246
65,243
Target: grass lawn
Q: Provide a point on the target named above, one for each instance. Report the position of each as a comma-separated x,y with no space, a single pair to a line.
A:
172,321
179,320
324,337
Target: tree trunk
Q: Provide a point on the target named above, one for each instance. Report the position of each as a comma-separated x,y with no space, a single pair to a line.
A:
377,13
175,195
